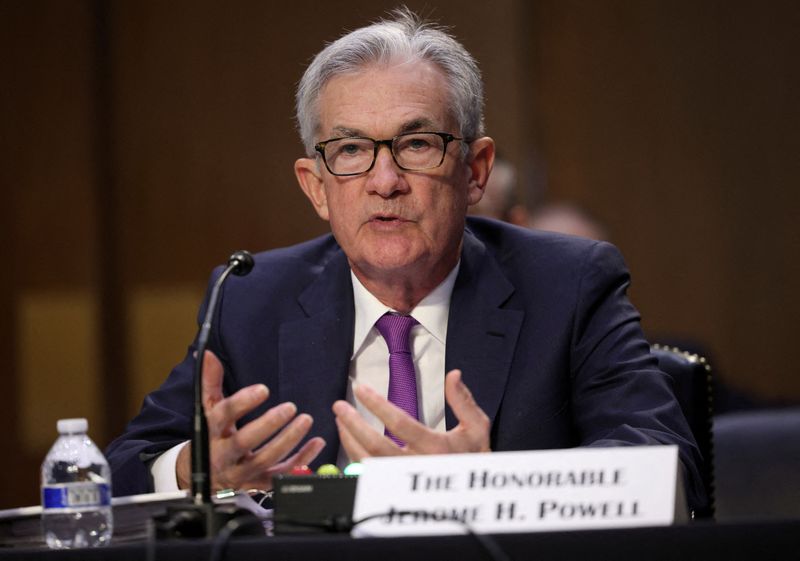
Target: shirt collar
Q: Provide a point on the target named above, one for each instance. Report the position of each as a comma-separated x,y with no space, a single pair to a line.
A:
432,312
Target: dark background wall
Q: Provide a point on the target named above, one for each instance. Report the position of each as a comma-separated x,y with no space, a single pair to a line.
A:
142,141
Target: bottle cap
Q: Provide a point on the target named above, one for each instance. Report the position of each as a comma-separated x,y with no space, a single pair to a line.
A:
72,426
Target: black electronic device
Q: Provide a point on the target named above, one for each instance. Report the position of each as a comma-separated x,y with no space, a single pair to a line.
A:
307,504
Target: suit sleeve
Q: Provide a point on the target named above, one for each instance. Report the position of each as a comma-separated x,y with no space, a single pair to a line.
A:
620,396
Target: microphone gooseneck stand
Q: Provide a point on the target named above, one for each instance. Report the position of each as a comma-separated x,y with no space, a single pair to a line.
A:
202,518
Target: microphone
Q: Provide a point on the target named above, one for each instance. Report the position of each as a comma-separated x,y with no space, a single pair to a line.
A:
203,518
240,263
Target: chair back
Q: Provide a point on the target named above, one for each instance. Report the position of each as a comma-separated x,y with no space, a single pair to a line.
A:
758,464
691,374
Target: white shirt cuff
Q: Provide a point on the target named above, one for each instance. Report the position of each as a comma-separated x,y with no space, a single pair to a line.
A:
163,470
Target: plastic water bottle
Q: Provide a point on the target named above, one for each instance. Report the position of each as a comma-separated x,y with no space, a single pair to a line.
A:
76,490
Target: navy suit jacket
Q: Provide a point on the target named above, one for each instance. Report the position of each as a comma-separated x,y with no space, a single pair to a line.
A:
539,323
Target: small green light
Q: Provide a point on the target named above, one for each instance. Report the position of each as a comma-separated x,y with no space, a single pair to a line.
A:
355,468
328,469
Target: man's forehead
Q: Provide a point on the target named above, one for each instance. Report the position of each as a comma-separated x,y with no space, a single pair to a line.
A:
385,100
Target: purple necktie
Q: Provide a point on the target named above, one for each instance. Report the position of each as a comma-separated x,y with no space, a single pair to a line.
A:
402,378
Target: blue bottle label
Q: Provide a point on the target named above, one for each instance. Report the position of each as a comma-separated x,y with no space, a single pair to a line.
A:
76,495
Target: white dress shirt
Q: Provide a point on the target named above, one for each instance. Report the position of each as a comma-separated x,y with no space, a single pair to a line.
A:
369,364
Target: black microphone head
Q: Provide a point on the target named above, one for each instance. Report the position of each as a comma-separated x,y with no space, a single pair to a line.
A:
242,262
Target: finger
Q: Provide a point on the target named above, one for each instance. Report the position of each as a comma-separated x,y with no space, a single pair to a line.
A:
183,467
460,399
212,380
309,451
472,432
254,433
223,416
303,457
282,444
415,434
234,447
355,452
254,466
373,442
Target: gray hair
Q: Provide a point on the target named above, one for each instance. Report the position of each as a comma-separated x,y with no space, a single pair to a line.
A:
404,37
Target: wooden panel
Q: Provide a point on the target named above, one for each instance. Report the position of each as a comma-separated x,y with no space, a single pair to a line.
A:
47,143
58,366
49,232
162,324
675,123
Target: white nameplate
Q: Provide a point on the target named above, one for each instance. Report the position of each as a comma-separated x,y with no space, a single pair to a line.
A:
577,488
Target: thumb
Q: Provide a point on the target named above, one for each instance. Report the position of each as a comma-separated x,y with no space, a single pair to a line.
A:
212,380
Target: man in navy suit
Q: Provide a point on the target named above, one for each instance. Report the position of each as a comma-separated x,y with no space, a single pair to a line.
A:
522,340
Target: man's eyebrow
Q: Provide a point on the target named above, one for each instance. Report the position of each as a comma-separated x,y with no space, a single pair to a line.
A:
417,124
421,123
345,132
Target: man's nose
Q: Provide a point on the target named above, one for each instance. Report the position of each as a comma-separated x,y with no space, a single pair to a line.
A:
385,178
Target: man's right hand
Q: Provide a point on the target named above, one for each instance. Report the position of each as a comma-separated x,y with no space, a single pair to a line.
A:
240,458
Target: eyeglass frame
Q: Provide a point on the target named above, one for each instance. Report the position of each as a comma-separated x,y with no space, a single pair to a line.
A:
446,137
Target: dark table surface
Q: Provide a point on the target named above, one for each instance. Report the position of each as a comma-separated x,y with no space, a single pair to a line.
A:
701,540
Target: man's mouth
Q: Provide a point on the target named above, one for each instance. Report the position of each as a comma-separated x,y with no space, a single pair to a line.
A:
385,218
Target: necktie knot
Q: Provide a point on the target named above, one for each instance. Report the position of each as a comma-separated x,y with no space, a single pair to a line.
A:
395,329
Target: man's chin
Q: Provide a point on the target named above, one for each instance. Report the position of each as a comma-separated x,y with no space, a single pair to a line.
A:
392,267
389,263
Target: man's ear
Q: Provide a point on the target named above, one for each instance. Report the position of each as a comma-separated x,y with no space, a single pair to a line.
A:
480,161
310,179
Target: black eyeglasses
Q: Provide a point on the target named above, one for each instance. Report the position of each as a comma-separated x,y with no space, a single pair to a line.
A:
412,151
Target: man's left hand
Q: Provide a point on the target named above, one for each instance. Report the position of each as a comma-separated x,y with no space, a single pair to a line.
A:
360,440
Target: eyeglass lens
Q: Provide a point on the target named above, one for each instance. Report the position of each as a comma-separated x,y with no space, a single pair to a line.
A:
414,151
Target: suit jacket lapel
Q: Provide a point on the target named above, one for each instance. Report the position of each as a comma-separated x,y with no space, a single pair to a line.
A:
315,351
481,335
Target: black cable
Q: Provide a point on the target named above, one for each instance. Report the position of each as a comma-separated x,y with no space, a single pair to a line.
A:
150,540
343,523
489,544
227,531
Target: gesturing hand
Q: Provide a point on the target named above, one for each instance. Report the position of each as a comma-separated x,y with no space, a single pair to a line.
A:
360,440
239,457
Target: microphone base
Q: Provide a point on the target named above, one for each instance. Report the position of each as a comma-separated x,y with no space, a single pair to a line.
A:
206,521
